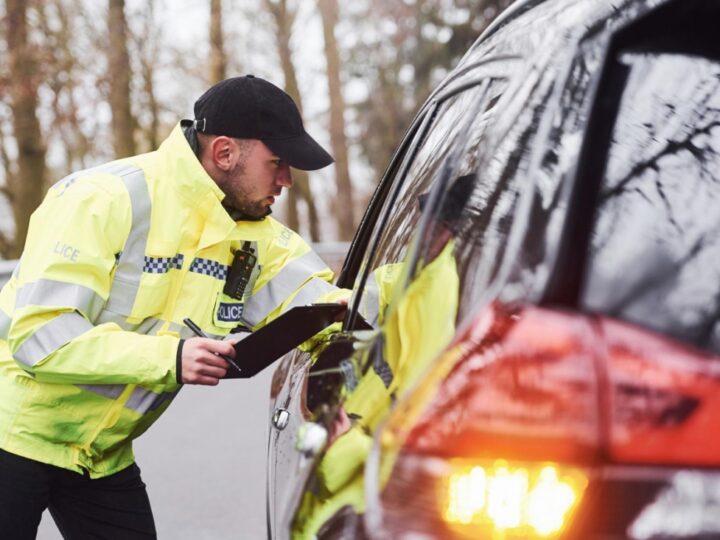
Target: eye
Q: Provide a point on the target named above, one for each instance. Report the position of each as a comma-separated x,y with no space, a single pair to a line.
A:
277,162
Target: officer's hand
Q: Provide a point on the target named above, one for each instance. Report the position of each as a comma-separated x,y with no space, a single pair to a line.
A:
200,364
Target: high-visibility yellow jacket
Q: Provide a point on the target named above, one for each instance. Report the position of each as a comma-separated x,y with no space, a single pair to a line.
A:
90,322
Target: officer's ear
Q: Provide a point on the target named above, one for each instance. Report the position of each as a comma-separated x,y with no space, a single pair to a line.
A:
222,152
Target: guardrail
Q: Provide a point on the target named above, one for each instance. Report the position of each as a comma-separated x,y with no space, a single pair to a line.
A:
333,253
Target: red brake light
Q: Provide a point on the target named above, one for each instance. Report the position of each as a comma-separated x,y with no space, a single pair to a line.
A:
664,399
525,388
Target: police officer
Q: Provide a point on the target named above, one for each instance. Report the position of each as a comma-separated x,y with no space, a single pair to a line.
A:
92,345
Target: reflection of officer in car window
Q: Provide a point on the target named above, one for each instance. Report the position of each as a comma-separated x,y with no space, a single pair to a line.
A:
415,328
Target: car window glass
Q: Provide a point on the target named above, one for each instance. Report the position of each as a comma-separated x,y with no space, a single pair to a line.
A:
416,315
653,258
450,145
488,215
481,219
561,142
451,132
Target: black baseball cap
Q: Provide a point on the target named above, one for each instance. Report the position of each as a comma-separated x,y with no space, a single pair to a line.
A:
252,108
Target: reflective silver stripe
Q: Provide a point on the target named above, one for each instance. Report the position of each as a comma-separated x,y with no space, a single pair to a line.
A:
51,336
132,259
370,305
119,291
143,400
310,292
286,282
110,391
146,327
114,167
5,321
149,326
106,316
48,292
186,333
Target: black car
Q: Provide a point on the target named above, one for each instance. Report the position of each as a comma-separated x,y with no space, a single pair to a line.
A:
531,347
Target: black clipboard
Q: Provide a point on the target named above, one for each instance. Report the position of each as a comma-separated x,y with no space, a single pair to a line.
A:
261,348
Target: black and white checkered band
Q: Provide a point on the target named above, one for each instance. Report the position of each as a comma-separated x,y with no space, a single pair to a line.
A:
162,265
209,268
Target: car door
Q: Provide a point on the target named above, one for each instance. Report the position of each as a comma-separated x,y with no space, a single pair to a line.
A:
406,269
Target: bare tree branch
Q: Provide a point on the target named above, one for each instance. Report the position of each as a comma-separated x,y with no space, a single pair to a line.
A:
670,148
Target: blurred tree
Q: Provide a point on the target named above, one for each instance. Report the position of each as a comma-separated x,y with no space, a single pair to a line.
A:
24,184
344,200
404,49
218,61
55,88
60,72
284,18
146,40
119,74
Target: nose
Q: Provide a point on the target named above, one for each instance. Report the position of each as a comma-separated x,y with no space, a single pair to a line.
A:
284,176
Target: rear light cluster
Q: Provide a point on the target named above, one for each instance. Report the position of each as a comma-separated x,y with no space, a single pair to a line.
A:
511,434
520,500
430,497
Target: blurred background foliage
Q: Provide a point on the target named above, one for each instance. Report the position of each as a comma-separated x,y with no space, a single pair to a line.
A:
83,82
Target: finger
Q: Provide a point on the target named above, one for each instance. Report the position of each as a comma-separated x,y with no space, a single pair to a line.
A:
212,371
218,347
213,360
207,380
222,347
198,378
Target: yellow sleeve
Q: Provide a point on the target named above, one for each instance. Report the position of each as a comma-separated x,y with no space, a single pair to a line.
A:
292,275
63,282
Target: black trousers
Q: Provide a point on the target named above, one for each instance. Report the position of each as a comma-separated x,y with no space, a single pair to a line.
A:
116,506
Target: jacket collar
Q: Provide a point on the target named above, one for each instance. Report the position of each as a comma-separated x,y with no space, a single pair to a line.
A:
187,174
195,188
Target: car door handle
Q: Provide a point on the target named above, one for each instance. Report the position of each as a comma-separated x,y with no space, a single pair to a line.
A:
280,418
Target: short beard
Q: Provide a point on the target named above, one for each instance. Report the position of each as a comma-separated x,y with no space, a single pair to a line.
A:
251,210
246,208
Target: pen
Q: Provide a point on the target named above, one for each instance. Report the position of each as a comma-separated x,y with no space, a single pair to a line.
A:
199,333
